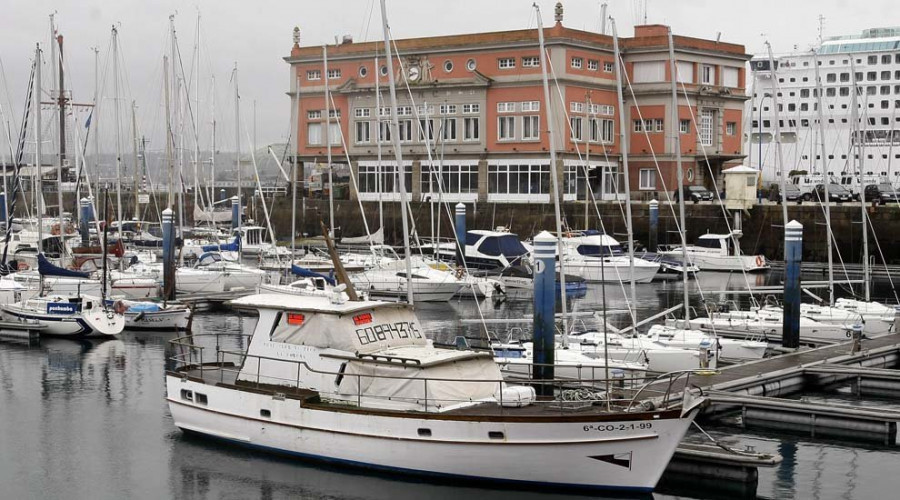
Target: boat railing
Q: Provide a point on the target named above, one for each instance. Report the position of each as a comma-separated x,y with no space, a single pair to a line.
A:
216,363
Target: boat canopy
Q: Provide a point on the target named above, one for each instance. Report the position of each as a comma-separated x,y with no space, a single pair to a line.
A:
48,269
306,273
234,246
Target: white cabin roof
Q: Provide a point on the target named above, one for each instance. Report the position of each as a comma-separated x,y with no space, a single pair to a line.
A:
318,304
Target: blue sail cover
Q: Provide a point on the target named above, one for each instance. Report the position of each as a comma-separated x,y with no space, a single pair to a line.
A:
48,269
234,246
306,273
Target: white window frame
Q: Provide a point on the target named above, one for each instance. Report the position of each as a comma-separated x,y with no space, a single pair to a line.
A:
684,126
451,175
531,106
707,128
318,138
608,67
659,125
577,62
647,179
471,109
506,107
448,129
506,128
531,62
386,169
334,74
313,74
314,114
576,107
576,128
447,109
516,168
506,62
476,137
363,126
707,74
531,128
593,65
731,128
362,112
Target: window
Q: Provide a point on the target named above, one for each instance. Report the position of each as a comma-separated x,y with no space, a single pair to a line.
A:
403,111
513,180
448,66
471,109
844,91
506,62
200,399
265,413
506,128
647,179
830,92
405,131
593,65
448,127
684,71
872,60
886,59
384,111
885,75
831,78
334,133
506,107
658,125
531,62
845,77
470,129
314,115
792,107
730,77
362,132
187,395
684,126
531,106
576,107
804,93
314,134
383,70
334,113
649,71
575,125
384,131
639,125
804,106
531,127
334,74
362,112
471,65
706,127
423,110
363,71
426,129
885,90
447,109
607,67
731,128
314,74
871,76
368,179
451,179
707,74
577,62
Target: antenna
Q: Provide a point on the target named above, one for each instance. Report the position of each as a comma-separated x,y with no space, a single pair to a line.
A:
718,36
603,7
821,28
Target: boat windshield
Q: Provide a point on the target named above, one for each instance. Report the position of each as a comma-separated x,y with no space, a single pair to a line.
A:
507,245
709,243
597,250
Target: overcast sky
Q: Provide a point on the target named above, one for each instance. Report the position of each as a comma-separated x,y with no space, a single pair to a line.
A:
257,34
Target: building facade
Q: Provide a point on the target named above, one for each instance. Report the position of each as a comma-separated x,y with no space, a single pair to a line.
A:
477,102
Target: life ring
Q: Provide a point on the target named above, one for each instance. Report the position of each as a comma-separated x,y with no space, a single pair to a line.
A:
760,261
21,266
119,307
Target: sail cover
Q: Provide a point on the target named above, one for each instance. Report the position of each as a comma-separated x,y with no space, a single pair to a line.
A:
376,237
234,246
306,273
48,269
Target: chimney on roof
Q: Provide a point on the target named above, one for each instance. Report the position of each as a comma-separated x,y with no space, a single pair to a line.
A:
296,36
558,13
347,39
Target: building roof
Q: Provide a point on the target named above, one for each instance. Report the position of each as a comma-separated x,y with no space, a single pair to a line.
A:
646,37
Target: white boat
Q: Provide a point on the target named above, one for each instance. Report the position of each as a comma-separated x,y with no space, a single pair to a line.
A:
717,252
155,316
517,359
389,280
233,275
877,318
487,250
302,286
658,357
732,349
597,257
768,324
357,383
67,316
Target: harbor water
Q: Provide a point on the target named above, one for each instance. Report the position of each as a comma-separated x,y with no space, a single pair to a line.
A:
88,420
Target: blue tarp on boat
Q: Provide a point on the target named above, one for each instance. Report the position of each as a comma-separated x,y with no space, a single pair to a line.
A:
234,246
306,273
144,307
48,269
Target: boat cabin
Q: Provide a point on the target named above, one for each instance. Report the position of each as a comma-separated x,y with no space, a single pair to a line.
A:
493,249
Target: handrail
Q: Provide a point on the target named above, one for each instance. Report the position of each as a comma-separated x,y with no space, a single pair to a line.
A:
560,383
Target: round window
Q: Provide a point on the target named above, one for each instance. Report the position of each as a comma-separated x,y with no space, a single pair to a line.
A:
448,66
363,71
384,71
470,64
690,174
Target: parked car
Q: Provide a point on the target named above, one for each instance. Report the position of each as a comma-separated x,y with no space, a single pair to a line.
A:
883,192
836,192
792,192
695,194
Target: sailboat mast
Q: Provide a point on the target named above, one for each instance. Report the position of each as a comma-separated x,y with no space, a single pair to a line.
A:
115,56
171,164
178,147
197,197
95,113
858,127
237,158
554,182
134,154
212,154
623,147
37,156
779,161
378,145
679,173
328,140
398,153
61,109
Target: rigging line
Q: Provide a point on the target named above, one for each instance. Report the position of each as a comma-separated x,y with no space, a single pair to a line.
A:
631,307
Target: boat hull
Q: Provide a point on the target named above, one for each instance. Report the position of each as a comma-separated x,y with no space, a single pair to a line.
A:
163,320
623,452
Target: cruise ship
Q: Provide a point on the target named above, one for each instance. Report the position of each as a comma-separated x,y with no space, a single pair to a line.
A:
872,60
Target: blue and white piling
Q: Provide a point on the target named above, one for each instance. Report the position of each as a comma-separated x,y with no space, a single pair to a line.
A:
84,220
793,256
652,240
3,213
460,234
168,230
235,212
544,336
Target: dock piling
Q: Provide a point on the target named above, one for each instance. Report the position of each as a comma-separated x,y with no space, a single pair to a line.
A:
544,337
793,257
168,230
235,212
460,234
652,241
84,221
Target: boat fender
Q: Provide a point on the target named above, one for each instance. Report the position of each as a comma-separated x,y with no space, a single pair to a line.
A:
760,261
